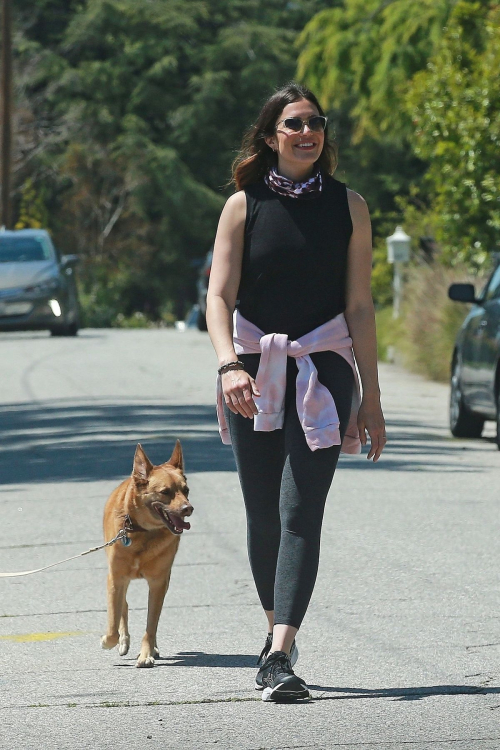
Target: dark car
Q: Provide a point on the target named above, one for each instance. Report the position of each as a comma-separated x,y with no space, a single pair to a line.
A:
37,285
202,286
475,366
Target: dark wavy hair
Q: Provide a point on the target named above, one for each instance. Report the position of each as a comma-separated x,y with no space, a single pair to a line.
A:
256,157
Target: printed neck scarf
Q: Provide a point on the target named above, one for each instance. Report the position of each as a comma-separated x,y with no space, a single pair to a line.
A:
284,186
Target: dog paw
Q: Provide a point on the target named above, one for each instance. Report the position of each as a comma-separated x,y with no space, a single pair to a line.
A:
109,641
124,645
156,652
145,662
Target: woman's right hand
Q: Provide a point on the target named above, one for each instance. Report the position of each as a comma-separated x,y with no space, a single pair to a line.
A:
239,388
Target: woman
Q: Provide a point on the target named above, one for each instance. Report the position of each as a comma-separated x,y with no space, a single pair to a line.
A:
293,256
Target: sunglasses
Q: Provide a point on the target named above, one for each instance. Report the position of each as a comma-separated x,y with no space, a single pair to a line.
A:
316,123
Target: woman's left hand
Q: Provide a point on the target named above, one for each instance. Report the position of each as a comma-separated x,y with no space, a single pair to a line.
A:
371,421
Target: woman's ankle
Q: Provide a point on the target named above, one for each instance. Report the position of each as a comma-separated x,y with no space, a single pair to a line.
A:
283,637
270,620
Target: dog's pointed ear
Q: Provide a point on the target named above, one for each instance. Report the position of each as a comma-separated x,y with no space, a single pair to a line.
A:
177,459
142,466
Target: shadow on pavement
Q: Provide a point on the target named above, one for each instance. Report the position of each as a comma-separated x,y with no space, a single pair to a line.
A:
404,694
87,441
200,659
238,661
33,335
64,441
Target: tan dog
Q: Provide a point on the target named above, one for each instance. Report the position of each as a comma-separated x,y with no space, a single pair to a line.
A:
151,507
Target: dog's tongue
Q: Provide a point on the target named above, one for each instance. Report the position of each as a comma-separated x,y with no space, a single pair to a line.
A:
177,520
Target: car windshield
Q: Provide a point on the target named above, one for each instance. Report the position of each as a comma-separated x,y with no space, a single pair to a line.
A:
24,249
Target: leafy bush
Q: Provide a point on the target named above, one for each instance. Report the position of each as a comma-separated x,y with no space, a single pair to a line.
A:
390,333
137,320
97,308
382,274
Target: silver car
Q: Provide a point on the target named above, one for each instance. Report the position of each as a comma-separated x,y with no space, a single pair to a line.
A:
475,365
37,285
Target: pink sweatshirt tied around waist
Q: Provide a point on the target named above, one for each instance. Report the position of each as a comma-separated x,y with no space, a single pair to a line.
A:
315,404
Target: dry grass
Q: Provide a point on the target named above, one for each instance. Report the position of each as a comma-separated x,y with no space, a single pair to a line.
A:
425,334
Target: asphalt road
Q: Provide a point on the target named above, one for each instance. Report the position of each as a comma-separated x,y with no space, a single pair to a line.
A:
400,644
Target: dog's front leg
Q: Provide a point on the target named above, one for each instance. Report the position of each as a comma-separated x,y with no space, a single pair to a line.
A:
157,591
123,629
117,590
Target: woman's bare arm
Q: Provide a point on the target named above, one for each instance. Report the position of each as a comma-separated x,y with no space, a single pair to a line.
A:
360,317
225,276
238,386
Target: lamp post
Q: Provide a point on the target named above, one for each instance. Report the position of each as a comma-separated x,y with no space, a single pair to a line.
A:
398,252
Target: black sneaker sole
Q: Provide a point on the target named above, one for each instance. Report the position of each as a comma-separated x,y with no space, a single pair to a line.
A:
278,696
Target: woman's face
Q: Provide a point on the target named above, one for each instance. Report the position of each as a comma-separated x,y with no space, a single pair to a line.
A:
297,148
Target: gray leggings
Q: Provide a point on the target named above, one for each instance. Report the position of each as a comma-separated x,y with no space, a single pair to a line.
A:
284,487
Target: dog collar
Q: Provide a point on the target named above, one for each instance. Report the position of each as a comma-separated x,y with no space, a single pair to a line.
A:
129,526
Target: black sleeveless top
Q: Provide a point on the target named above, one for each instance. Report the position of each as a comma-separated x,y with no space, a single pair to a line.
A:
295,258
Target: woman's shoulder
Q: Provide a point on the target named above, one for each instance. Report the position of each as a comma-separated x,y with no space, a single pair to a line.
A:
360,216
357,203
244,201
236,200
235,209
355,199
239,198
358,208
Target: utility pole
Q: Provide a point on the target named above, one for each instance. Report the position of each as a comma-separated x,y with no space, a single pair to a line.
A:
6,113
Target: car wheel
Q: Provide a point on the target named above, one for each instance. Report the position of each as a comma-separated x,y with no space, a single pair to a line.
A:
498,420
463,422
71,329
201,322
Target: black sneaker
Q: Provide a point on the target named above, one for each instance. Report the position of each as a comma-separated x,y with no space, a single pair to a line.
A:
294,651
278,681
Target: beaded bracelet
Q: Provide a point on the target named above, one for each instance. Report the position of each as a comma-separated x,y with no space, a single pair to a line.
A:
237,365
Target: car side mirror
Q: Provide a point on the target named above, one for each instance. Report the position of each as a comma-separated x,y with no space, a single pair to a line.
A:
67,261
462,293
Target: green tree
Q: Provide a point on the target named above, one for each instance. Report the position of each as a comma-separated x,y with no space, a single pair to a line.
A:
32,211
455,107
414,87
361,54
144,106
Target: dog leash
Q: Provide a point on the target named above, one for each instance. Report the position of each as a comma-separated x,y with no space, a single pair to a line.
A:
122,534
